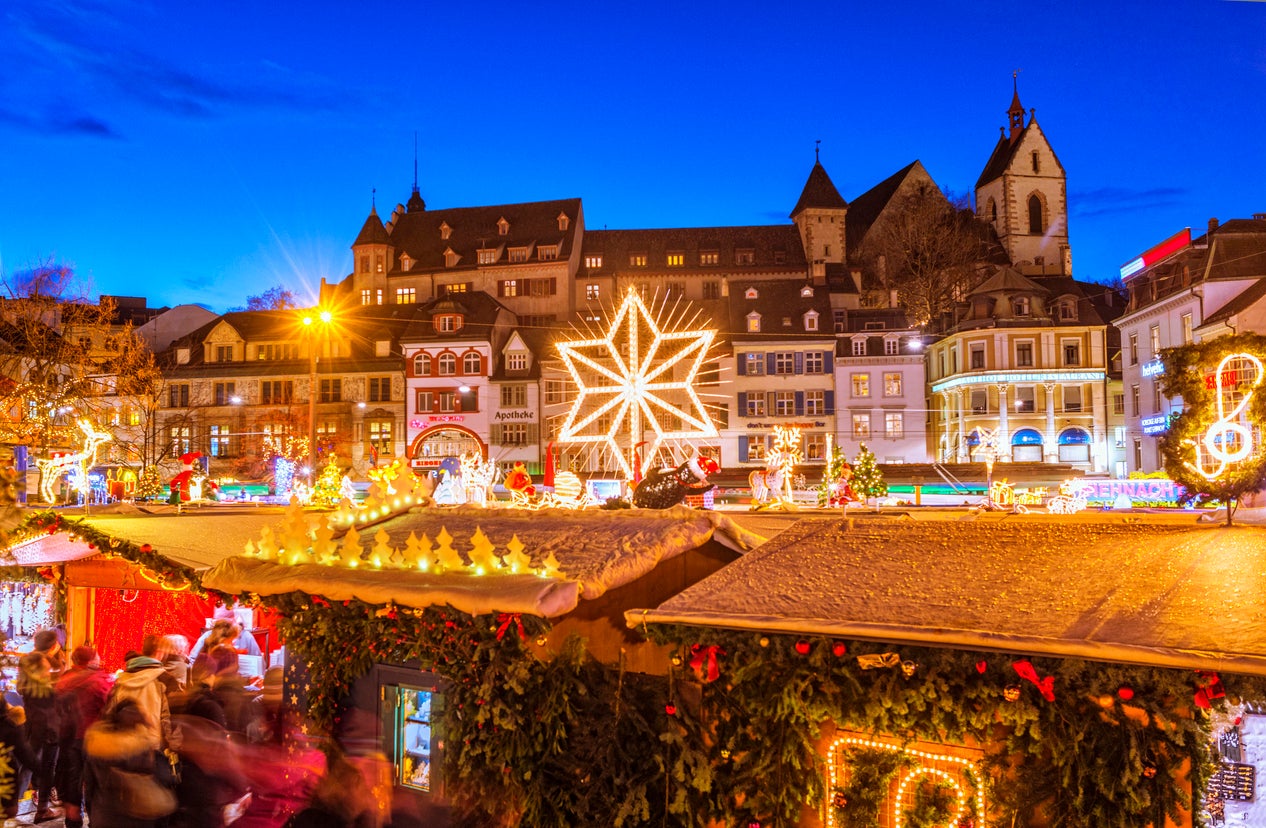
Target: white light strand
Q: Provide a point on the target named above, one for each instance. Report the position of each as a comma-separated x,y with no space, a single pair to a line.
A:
1227,451
836,769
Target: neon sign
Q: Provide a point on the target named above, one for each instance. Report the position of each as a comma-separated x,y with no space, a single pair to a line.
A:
1158,424
1027,376
1153,368
1171,245
1228,441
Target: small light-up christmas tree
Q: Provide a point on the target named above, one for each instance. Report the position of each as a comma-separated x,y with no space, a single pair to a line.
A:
868,480
149,486
831,489
327,490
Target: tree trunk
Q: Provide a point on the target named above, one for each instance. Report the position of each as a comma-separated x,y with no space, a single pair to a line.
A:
1230,509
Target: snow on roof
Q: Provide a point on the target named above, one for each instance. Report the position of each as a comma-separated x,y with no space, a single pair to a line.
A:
596,550
1151,592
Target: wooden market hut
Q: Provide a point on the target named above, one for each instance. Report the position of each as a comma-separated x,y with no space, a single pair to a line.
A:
1019,670
484,651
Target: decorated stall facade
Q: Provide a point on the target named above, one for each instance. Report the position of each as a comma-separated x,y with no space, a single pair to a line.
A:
1009,671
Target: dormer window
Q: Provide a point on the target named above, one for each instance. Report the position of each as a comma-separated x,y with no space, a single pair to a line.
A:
806,292
563,222
709,257
547,252
503,227
406,263
753,322
786,321
448,322
751,293
445,231
676,259
780,256
1021,306
1067,309
450,257
811,321
516,361
637,260
744,257
487,256
518,254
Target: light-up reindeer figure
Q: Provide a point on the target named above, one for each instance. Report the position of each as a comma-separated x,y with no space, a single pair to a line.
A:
52,469
478,476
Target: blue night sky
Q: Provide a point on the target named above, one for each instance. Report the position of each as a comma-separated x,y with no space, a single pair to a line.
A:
203,154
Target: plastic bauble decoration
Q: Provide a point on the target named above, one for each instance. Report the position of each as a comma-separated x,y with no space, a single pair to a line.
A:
1011,692
908,667
981,667
838,649
1125,693
1149,771
676,660
670,709
802,647
764,642
540,640
725,754
839,800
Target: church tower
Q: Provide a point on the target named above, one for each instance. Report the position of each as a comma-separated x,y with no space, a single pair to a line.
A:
819,216
1021,194
372,256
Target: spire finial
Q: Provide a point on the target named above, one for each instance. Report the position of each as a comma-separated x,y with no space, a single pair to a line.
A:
817,146
373,199
1016,111
415,160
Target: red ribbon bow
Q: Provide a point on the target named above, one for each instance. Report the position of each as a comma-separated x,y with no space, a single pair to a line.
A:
703,660
1210,687
1045,686
508,618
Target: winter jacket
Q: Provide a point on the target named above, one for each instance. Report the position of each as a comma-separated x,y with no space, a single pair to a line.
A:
142,682
81,695
110,750
15,749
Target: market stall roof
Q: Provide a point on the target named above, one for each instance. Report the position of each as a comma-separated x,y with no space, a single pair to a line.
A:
595,550
1145,591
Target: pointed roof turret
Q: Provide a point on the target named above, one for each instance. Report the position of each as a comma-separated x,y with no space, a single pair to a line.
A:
819,192
415,203
373,231
1016,111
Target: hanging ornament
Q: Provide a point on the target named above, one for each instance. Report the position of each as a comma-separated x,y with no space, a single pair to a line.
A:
725,754
676,660
908,667
764,642
1125,693
703,660
1011,693
838,649
1149,771
802,647
670,709
1046,686
839,800
981,666
540,640
1208,687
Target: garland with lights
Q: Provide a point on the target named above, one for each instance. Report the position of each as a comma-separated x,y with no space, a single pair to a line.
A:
1076,743
557,740
1223,398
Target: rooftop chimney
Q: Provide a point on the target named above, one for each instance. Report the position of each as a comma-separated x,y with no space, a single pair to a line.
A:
1213,225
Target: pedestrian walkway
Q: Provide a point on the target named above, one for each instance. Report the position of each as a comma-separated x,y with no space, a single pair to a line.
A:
26,816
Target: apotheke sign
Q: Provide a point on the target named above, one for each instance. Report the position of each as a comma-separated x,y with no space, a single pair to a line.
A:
515,416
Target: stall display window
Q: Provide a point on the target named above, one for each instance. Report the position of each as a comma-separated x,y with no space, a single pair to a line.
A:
415,749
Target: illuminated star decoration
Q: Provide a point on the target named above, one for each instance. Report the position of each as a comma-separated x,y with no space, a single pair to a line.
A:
633,377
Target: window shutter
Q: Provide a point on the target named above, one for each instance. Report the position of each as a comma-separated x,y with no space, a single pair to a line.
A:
495,433
829,402
799,362
742,409
742,448
770,364
799,403
553,287
740,365
534,433
828,362
769,403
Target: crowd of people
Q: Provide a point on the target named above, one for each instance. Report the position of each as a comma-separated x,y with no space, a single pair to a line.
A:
170,741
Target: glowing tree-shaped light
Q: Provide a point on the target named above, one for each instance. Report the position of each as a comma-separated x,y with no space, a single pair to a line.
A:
638,375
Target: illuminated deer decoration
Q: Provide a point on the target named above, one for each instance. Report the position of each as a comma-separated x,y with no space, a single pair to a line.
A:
51,470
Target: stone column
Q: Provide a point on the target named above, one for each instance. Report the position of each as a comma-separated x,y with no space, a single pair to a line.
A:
1050,450
1100,434
960,452
1004,429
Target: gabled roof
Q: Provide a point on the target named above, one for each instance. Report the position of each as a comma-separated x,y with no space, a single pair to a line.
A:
768,243
1140,593
779,300
1245,300
819,192
866,208
1000,159
1237,250
479,313
1009,280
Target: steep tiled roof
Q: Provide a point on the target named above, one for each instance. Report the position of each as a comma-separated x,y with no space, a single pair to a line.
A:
372,232
479,315
819,192
531,225
1009,279
782,309
1238,250
998,162
864,209
768,243
1245,300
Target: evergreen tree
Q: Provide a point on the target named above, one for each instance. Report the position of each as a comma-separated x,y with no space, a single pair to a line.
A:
149,486
327,490
868,480
829,489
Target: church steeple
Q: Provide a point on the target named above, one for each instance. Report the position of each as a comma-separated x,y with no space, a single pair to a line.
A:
415,202
1016,112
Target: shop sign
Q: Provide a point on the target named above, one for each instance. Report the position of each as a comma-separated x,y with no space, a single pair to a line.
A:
523,415
1151,489
1154,425
771,426
1153,369
1233,781
436,420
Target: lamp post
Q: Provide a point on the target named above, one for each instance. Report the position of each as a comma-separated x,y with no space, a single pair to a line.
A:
309,322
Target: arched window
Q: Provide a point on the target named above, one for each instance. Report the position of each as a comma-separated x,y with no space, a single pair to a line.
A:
1036,225
993,211
471,363
448,365
422,364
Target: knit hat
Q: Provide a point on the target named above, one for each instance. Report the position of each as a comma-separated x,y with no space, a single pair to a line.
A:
45,639
83,655
141,662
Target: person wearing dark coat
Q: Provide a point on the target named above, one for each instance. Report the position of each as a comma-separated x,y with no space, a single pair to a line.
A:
81,694
37,672
120,782
16,751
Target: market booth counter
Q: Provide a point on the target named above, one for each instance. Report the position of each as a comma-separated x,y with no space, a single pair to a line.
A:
126,574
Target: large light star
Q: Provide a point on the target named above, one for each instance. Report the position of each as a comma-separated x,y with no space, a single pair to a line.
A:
632,374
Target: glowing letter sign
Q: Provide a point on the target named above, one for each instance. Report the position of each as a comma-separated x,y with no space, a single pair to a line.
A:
1172,244
1152,369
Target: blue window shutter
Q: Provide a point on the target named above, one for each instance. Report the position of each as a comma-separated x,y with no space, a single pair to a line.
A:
742,448
742,409
740,365
770,364
799,403
829,402
828,362
799,360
